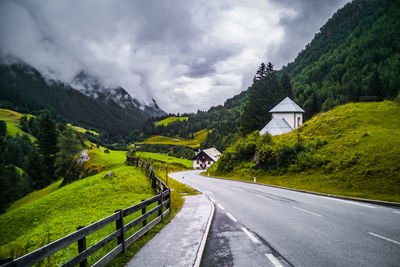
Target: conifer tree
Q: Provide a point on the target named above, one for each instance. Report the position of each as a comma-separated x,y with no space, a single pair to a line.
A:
47,144
3,128
286,86
263,95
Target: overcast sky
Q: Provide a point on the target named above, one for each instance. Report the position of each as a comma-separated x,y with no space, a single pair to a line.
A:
187,55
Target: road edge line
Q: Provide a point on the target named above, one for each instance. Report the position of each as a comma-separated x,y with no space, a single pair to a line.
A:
203,242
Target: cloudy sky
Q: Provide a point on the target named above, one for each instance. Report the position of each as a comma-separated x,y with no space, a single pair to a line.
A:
187,55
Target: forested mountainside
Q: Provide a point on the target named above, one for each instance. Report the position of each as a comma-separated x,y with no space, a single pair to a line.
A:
356,53
25,89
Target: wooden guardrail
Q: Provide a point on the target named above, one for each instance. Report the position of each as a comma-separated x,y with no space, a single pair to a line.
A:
162,209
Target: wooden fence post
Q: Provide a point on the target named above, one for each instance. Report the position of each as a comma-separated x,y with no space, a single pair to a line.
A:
82,247
169,198
120,226
153,180
144,212
166,177
160,202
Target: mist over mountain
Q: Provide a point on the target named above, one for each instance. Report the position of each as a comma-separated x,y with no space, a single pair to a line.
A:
87,103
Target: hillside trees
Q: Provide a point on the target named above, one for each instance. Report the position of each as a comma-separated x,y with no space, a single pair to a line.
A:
25,166
265,92
47,141
68,146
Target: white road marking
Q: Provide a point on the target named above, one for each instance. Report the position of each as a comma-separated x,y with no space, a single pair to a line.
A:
310,212
220,206
384,238
397,212
250,235
352,202
273,260
212,199
231,217
262,196
209,192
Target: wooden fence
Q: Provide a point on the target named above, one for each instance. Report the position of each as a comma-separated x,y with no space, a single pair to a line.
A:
163,208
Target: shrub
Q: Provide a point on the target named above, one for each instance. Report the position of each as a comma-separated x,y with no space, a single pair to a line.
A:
106,151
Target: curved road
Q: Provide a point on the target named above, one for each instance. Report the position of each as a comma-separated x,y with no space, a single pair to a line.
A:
277,227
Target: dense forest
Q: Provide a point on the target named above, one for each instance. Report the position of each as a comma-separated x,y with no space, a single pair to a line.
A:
356,53
25,165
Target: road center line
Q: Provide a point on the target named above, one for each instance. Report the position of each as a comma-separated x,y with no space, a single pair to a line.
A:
209,192
220,206
273,260
397,212
231,217
310,212
211,199
250,235
351,202
384,238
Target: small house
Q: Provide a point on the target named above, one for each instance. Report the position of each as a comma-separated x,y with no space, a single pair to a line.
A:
205,158
286,116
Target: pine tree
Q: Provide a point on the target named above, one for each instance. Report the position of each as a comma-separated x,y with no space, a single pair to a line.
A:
260,74
3,128
23,124
263,95
34,169
286,86
47,144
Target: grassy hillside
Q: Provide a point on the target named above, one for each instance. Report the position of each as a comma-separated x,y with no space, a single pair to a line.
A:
168,120
165,158
12,120
198,139
46,215
352,150
82,130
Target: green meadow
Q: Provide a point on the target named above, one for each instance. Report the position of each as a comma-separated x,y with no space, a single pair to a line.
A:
12,120
168,120
82,130
199,137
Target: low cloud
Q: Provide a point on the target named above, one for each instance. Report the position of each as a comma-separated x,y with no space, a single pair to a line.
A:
188,55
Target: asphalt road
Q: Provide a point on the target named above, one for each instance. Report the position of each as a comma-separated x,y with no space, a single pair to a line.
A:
258,225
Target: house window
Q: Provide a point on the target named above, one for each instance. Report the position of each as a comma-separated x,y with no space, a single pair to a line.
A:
198,161
208,162
298,121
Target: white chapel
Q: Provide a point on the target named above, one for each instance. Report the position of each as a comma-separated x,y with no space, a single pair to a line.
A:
286,116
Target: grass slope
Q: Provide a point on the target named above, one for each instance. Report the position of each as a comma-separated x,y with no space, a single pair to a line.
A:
199,137
165,158
362,153
12,120
82,130
51,213
168,120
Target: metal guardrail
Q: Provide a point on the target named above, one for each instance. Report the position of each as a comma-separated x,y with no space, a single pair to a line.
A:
163,199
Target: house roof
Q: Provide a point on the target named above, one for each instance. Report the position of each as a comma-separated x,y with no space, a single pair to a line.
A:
213,153
287,105
276,127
